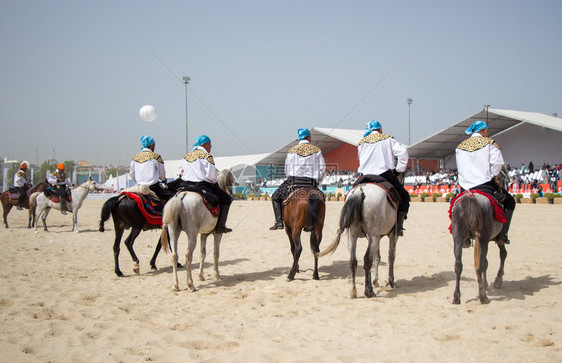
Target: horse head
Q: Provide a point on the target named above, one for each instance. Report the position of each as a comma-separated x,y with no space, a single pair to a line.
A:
226,180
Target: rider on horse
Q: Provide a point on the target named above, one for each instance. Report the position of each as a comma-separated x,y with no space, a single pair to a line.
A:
304,166
200,174
60,183
21,184
147,168
376,157
479,160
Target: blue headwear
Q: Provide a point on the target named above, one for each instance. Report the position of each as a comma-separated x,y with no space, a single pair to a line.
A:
303,133
372,126
475,127
201,139
146,141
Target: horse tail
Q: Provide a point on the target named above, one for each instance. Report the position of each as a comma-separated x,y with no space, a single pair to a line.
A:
352,211
313,208
472,213
169,215
331,248
106,211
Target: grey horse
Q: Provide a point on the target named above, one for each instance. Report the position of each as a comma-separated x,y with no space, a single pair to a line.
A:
187,211
472,216
367,210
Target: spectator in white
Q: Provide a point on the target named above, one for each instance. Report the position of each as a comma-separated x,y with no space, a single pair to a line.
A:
21,184
304,166
147,168
376,157
60,183
479,160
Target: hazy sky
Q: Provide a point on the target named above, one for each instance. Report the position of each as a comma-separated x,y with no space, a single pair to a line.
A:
74,74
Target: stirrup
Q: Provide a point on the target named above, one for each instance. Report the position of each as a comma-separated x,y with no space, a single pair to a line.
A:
277,225
222,229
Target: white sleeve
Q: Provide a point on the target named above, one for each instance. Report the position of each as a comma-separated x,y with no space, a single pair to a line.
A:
321,167
161,171
211,173
132,171
401,153
496,160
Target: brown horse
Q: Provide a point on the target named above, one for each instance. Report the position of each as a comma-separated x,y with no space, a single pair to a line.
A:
10,199
305,210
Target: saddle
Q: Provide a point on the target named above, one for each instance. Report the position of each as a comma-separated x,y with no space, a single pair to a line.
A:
294,191
499,212
13,193
210,200
391,193
151,208
54,195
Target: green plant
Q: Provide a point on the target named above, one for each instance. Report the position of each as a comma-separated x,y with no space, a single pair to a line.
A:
436,195
534,196
549,196
518,197
412,195
450,195
424,195
330,195
339,195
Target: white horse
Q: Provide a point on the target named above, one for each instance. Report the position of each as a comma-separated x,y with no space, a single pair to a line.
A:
368,211
187,212
42,204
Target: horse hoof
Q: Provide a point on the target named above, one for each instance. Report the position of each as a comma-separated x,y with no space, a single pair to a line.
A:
153,267
456,301
498,283
484,300
175,288
290,278
119,273
353,293
136,270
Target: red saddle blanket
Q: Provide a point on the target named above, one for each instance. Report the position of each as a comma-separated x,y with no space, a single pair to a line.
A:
56,198
499,214
150,208
295,193
15,195
215,210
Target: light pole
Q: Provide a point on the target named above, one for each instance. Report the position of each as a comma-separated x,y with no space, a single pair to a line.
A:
186,80
409,101
486,108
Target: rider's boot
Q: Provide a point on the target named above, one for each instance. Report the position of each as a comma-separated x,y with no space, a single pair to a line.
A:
63,204
502,237
278,210
21,199
400,223
221,223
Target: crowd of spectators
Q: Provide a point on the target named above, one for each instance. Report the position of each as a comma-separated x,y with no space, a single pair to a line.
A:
528,177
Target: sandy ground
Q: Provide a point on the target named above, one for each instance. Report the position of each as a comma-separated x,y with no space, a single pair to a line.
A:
61,301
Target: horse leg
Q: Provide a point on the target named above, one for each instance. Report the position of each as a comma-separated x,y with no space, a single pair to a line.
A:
203,249
352,242
458,243
216,255
391,257
174,231
377,262
44,218
156,252
315,238
75,221
372,249
191,243
118,234
296,247
478,265
499,278
129,241
7,208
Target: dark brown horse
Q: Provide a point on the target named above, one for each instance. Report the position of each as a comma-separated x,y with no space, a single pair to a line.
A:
126,214
10,199
305,210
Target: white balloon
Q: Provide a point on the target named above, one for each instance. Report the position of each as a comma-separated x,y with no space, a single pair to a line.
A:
148,113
